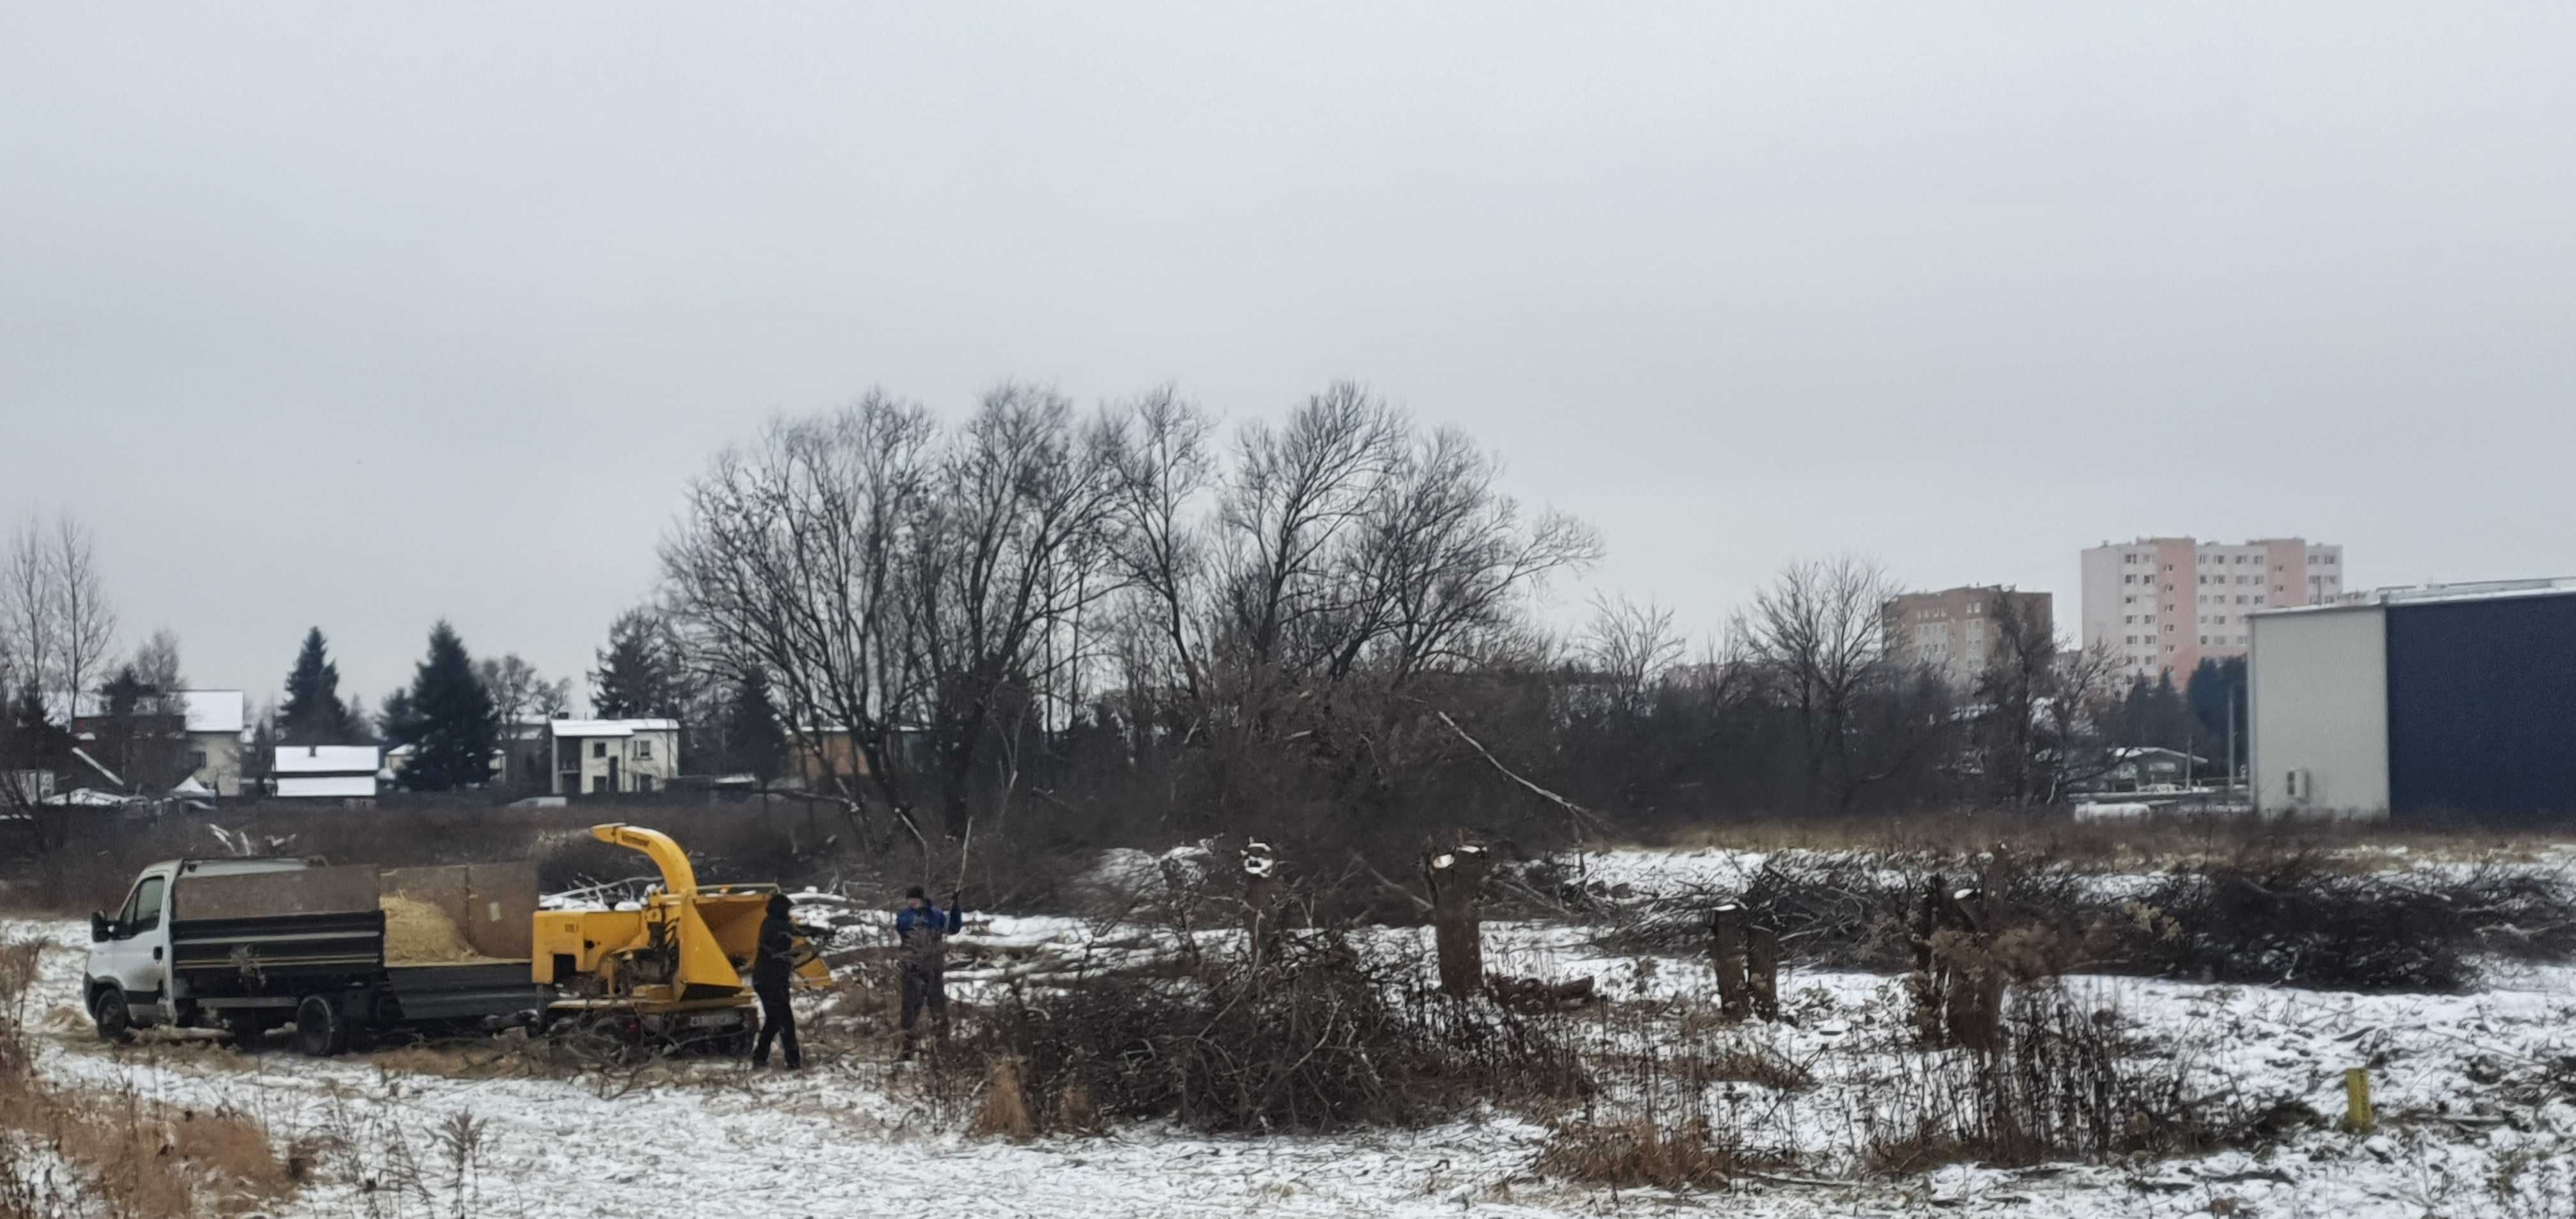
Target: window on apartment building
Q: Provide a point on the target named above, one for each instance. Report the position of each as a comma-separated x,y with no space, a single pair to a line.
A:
599,749
644,751
2169,588
2330,559
2258,598
2149,619
2204,641
2312,560
2169,648
2133,639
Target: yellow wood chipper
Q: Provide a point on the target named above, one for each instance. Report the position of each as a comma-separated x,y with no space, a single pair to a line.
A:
677,968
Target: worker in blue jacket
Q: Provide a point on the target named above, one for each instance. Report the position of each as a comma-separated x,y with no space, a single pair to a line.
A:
922,929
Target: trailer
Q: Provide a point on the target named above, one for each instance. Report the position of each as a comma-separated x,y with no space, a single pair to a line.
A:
249,944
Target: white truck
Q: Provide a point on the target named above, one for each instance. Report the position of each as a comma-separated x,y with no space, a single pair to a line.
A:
249,944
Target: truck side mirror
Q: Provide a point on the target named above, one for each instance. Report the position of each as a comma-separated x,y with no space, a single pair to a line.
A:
98,929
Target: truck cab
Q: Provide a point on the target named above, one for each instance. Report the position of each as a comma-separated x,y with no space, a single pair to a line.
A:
128,983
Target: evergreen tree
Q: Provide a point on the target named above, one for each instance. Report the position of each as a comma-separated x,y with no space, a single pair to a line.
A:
637,677
754,743
454,714
263,750
2156,716
361,727
2215,686
395,721
313,714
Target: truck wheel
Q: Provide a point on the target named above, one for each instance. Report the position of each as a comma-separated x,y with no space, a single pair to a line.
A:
108,1011
320,1030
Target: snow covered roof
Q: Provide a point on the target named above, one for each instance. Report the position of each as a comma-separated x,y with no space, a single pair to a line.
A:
340,786
610,727
216,710
2127,754
2415,594
207,710
327,760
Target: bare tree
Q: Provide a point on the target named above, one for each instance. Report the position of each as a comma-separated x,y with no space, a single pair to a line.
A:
1014,538
29,610
84,620
59,628
786,561
1441,562
1164,471
2018,683
1296,490
1633,646
1816,633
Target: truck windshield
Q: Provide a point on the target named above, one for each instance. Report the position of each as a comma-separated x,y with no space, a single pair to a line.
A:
143,912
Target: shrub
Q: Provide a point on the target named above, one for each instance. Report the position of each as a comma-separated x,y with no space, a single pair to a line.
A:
1316,1038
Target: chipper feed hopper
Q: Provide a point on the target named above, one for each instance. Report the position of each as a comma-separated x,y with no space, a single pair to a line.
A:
680,966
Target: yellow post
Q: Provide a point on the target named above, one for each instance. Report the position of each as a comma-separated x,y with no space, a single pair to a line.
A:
2356,1101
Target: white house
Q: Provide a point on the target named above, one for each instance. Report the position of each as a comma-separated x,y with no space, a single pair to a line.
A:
605,756
326,772
214,726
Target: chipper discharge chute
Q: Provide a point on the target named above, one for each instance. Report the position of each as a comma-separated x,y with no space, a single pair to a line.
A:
678,968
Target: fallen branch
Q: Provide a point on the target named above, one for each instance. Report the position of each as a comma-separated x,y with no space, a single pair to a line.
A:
1585,820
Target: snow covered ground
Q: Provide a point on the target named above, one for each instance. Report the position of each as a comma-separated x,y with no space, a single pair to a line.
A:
2454,1079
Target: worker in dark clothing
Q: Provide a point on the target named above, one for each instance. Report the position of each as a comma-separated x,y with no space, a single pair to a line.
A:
770,971
921,928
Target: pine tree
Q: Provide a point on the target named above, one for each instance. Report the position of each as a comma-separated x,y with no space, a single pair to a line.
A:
313,714
454,714
636,677
395,721
2214,687
755,744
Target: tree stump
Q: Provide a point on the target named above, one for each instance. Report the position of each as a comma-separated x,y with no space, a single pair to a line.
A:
1762,971
1925,986
1454,879
1973,1008
1262,893
1726,956
1957,985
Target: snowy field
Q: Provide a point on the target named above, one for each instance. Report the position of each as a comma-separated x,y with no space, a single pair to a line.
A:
2463,1132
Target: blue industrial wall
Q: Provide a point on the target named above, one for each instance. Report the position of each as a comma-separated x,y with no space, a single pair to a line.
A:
2482,707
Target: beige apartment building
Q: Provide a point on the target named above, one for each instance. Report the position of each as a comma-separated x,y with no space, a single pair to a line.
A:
2165,604
1954,630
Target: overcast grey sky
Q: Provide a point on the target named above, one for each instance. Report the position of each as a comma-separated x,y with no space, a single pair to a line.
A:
359,316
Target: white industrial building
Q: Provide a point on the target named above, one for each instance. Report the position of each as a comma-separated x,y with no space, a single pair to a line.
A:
2418,703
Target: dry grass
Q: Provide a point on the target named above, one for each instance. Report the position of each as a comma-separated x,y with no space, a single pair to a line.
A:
1005,1111
147,1158
1627,1155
